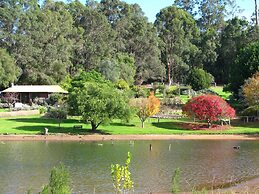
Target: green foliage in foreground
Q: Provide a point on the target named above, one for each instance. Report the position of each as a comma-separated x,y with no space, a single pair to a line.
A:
122,182
36,125
176,181
59,181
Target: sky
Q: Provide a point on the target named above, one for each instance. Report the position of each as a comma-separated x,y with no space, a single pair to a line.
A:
152,7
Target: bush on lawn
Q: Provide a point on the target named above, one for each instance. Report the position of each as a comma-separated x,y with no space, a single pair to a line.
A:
208,108
56,113
199,79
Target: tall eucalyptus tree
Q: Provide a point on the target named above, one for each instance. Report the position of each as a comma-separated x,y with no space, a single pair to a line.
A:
177,30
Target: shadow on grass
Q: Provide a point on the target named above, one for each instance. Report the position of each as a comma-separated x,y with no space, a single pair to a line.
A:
179,126
39,129
42,120
122,124
169,125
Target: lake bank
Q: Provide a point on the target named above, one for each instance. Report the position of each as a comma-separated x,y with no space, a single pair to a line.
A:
97,137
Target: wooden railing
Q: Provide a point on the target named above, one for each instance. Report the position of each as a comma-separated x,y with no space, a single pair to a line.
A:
166,116
248,119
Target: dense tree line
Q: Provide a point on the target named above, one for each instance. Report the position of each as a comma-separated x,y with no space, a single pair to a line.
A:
47,42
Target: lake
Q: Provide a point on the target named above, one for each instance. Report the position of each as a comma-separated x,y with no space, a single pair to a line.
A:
27,165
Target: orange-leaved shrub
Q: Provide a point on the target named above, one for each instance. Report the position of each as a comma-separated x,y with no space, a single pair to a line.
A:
145,107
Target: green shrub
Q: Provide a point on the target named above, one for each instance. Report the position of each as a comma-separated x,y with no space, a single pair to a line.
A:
59,181
57,113
54,99
122,85
140,91
199,79
42,109
172,91
161,88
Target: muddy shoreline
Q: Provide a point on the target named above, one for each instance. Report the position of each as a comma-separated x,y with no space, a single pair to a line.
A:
97,137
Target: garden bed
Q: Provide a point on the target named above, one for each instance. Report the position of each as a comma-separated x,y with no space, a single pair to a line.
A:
204,126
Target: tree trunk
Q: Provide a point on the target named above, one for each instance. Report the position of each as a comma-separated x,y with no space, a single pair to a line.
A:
169,73
256,14
209,124
142,124
94,126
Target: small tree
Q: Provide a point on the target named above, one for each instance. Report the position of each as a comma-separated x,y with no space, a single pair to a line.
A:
58,109
146,107
122,182
58,112
209,108
9,71
97,101
199,79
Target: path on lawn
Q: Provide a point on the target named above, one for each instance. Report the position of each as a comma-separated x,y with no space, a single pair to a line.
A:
98,137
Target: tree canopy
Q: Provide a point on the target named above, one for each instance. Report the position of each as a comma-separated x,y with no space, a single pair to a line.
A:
50,41
208,108
8,71
199,79
177,29
251,90
96,100
246,64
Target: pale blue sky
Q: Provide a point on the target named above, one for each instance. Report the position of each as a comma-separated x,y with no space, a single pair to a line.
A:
152,7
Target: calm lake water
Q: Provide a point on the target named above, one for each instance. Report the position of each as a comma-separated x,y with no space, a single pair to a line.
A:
27,165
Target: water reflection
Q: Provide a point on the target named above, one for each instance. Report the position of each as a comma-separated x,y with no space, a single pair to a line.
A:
27,165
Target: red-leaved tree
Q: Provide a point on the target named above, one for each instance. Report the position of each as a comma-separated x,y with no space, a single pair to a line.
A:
208,108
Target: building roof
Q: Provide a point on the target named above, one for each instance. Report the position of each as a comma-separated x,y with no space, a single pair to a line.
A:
36,88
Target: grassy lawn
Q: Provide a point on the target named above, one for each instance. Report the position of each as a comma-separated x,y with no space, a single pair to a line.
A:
184,98
36,124
219,90
4,109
